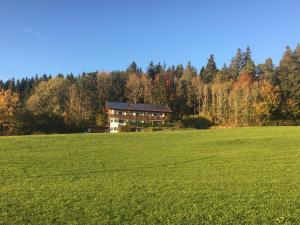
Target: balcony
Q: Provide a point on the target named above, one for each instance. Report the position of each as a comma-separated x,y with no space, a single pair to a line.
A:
137,117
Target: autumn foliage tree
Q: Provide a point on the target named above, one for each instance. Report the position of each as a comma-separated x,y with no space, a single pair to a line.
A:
134,88
238,94
9,106
267,100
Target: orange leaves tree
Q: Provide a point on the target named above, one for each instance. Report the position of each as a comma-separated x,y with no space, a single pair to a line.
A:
267,100
241,100
252,102
9,106
134,88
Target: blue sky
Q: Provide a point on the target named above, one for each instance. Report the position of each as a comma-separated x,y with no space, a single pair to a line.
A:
55,36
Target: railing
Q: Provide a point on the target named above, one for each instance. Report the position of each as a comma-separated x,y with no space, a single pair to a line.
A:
137,117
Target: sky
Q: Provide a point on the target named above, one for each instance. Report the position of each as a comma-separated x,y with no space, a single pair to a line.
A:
55,36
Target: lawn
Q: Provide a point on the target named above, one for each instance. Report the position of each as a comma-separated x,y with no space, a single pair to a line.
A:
222,176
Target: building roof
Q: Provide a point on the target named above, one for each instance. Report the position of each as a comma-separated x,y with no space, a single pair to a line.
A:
137,107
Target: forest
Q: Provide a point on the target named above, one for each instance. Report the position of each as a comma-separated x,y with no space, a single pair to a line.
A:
239,94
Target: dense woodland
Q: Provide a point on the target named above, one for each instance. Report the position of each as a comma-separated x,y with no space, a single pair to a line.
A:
238,94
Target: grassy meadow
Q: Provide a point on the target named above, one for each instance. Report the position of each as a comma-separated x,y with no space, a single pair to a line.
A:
222,176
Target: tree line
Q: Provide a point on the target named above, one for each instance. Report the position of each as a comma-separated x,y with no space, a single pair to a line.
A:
239,94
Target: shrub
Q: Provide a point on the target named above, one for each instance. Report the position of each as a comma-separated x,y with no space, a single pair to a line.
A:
196,122
179,124
126,128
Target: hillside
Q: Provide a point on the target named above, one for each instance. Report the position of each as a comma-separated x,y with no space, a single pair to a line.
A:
225,176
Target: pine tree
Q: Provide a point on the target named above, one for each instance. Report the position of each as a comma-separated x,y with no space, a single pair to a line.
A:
159,91
189,72
202,71
248,65
179,71
224,74
1,85
151,70
236,64
289,78
210,71
267,72
133,68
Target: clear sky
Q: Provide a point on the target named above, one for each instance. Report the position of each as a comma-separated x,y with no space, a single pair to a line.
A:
63,36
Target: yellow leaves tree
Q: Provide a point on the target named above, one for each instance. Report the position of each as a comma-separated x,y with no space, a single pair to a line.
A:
49,97
134,88
267,98
197,87
9,106
220,91
241,101
147,89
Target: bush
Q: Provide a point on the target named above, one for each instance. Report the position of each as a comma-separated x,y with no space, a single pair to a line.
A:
126,128
20,124
195,122
1,129
154,129
282,123
138,126
179,124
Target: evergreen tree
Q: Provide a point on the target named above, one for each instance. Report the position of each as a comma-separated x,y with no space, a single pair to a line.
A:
159,91
236,64
117,89
289,78
202,71
267,72
133,68
1,85
246,56
179,71
210,71
151,70
189,72
248,65
224,74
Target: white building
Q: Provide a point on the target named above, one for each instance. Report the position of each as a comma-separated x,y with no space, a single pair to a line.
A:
121,113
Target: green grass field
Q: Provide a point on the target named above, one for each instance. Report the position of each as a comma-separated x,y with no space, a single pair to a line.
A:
225,176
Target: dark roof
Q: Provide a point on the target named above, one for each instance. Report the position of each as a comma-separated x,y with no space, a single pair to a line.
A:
137,107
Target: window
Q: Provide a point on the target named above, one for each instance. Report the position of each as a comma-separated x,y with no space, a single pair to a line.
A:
121,121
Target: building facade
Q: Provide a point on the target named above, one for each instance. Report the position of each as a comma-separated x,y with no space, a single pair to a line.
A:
121,114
